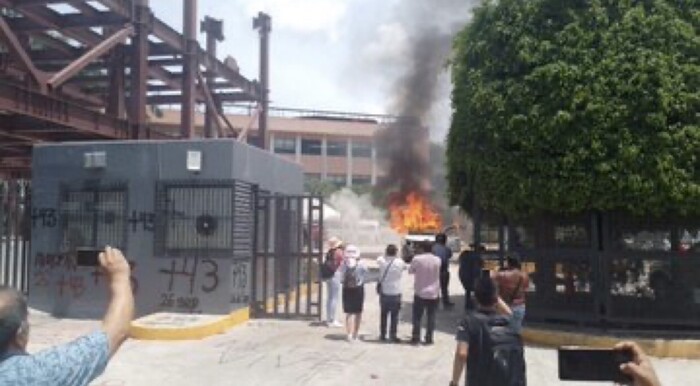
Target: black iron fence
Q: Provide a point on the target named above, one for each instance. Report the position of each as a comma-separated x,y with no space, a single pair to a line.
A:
607,270
15,232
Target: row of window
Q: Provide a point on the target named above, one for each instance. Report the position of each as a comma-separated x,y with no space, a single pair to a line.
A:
315,147
341,179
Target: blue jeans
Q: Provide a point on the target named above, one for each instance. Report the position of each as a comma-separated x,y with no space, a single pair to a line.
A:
333,290
518,317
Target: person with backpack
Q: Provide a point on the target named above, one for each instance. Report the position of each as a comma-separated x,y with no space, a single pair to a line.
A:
331,262
391,269
487,343
351,274
512,285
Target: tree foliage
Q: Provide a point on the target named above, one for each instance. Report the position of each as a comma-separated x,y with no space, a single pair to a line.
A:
564,106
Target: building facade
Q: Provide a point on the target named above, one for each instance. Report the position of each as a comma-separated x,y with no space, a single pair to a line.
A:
336,147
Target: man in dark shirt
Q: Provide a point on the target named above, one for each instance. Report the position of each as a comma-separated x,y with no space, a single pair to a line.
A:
490,305
445,254
470,265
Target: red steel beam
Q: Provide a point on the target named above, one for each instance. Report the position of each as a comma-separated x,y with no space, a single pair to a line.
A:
15,47
79,64
47,108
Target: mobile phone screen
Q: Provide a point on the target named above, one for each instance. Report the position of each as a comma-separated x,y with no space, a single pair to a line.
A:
88,257
587,364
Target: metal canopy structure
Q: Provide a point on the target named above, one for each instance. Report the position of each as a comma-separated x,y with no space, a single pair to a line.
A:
75,70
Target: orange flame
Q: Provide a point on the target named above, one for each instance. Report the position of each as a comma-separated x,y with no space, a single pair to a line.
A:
414,214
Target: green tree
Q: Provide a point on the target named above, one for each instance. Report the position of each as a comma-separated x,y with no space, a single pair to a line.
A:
564,106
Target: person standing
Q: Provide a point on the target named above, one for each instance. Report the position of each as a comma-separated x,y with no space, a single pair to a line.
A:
426,268
75,363
485,336
351,274
333,259
512,286
391,269
445,254
470,265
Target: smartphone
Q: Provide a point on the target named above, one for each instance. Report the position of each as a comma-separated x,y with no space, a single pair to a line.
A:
88,257
485,273
590,364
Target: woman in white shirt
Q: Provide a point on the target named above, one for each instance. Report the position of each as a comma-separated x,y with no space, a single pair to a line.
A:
391,269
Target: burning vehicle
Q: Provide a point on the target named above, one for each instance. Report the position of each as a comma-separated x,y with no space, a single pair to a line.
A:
416,220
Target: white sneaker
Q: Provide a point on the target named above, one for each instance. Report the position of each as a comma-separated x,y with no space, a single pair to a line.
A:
349,338
335,323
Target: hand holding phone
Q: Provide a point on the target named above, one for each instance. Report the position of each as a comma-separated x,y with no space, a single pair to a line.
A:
591,364
88,257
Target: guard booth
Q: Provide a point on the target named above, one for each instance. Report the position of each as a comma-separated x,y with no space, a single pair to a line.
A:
200,222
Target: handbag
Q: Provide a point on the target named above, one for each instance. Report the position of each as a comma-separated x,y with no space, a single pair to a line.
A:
379,283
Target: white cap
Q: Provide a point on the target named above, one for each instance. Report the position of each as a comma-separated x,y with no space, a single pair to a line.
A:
352,251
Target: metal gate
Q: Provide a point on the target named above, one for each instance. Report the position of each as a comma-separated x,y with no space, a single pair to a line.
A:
288,249
16,219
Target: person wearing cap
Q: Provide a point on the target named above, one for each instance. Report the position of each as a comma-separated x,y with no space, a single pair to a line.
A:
334,258
352,273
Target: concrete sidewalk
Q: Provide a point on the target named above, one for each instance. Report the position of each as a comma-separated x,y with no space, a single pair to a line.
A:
271,352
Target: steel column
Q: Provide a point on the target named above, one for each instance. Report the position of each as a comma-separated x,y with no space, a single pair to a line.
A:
214,30
139,69
264,25
190,68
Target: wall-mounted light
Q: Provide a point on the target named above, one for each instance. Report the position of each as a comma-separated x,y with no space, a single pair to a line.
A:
95,160
194,161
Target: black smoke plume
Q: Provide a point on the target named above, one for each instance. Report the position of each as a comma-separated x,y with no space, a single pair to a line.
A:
404,146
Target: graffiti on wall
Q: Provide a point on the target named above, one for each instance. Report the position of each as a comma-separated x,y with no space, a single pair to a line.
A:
61,274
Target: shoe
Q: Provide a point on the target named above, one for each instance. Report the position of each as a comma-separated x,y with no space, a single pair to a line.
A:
355,338
429,342
348,338
335,323
415,341
382,338
395,340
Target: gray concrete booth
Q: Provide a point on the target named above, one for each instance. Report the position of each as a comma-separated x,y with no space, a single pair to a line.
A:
182,211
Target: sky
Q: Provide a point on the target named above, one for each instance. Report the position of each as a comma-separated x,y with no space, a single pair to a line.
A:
341,55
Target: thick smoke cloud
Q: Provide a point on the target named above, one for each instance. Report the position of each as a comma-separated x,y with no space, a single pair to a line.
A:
429,27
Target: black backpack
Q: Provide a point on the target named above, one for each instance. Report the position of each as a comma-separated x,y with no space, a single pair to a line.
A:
350,278
328,265
499,351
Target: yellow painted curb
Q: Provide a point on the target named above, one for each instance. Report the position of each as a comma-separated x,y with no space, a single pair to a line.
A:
167,326
185,327
662,348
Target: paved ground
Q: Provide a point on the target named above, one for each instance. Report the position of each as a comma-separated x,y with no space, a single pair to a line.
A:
270,352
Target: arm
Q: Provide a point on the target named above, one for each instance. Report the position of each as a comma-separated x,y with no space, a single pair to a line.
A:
502,308
120,311
460,360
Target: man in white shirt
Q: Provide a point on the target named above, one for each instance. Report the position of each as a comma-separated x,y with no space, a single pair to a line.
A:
391,269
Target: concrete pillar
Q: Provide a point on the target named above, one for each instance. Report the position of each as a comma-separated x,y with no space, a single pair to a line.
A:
374,164
324,158
349,166
297,148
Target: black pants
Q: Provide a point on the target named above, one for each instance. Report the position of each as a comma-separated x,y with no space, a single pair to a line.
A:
421,305
389,306
445,286
468,302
